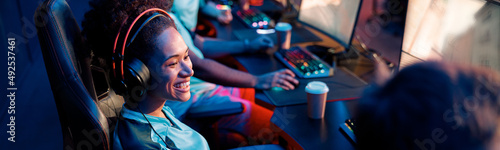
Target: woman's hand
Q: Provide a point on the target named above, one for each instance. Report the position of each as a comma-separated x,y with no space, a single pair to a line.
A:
245,4
260,43
225,17
282,78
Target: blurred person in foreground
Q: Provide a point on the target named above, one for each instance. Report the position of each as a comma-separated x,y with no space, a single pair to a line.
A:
430,105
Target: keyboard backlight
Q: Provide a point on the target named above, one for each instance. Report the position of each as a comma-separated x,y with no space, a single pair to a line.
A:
223,7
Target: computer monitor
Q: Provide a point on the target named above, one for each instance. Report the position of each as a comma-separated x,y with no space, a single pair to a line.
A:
335,18
464,32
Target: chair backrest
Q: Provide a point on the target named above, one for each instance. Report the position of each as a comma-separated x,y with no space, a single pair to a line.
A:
67,60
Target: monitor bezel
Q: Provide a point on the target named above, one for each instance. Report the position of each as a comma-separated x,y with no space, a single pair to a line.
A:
345,45
398,67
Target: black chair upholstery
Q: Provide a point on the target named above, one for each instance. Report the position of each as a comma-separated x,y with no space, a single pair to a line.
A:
67,61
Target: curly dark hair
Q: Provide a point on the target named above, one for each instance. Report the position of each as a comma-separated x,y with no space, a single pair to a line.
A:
102,22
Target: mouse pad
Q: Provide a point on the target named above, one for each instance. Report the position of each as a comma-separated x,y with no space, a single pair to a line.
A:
342,85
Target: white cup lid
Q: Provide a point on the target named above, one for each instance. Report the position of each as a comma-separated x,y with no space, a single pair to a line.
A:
316,87
283,26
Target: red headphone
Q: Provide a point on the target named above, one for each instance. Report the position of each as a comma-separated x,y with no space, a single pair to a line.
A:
133,76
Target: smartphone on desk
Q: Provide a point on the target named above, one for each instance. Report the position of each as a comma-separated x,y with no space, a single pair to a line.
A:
347,128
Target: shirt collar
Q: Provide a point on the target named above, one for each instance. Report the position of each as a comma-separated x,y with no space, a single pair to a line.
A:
134,115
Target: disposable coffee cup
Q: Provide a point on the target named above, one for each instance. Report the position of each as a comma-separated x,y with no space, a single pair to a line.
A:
284,34
316,99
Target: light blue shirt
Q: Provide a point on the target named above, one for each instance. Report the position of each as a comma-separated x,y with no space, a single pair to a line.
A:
133,131
187,11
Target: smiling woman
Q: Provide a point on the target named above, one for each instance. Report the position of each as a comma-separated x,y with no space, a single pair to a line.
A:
150,64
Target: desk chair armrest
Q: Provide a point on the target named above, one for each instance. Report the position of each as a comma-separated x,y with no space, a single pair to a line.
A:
216,110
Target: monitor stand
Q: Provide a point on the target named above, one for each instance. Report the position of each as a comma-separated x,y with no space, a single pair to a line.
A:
332,55
290,12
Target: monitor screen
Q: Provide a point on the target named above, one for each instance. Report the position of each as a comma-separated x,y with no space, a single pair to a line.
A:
461,31
336,18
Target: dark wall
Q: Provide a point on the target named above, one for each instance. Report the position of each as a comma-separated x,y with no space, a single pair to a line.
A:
36,120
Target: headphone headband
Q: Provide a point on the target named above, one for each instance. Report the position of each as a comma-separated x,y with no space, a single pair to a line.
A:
144,24
121,55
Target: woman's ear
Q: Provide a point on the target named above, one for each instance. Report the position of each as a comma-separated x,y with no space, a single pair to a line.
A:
382,72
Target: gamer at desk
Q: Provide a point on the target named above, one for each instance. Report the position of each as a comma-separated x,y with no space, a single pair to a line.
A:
289,106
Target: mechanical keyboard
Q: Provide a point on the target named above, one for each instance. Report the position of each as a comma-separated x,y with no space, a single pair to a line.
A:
303,63
253,18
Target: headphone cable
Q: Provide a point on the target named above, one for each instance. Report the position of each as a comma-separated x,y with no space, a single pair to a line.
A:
150,125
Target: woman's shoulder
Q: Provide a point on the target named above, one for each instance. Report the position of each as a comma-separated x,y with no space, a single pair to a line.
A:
133,134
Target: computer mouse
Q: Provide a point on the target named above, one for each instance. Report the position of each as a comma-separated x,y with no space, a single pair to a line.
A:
277,89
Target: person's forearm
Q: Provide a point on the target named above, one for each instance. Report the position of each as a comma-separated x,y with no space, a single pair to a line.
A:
213,48
212,71
210,9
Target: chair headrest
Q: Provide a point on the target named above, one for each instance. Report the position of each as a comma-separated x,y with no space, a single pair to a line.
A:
67,61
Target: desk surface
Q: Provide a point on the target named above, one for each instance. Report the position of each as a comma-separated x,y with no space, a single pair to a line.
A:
299,130
296,127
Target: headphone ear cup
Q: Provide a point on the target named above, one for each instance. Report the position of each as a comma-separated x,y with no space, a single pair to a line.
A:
137,78
118,86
